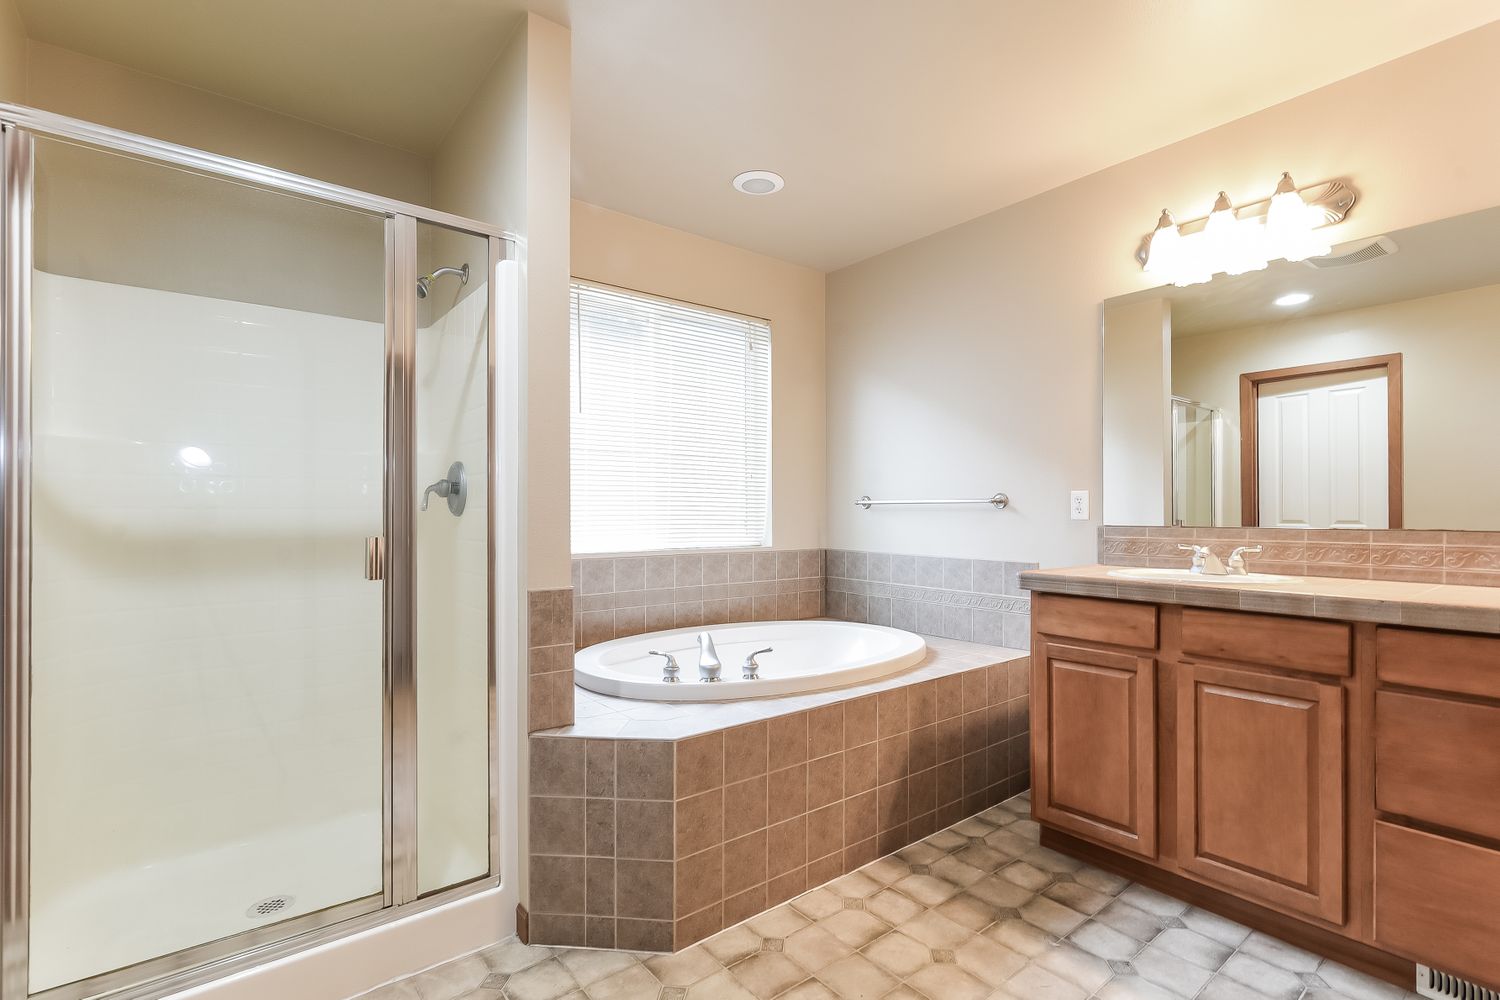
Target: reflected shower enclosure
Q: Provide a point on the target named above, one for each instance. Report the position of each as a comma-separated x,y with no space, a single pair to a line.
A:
249,683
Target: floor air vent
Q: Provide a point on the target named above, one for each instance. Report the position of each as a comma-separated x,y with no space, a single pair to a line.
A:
1433,983
272,905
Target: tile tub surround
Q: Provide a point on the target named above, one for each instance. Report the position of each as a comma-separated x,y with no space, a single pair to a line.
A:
1463,557
977,600
621,596
653,844
549,659
978,910
1389,602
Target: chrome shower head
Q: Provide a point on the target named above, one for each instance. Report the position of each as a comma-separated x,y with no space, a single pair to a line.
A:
424,283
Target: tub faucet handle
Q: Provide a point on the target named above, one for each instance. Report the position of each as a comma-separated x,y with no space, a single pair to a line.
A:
709,665
669,669
752,669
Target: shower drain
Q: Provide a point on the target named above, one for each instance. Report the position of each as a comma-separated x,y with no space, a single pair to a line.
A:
269,906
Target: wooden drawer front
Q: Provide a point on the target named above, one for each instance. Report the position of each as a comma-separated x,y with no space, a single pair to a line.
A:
1260,785
1094,756
1463,664
1095,620
1437,901
1273,640
1438,760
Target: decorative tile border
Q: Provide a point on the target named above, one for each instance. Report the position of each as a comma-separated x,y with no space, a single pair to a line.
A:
975,600
651,845
549,659
1462,557
627,595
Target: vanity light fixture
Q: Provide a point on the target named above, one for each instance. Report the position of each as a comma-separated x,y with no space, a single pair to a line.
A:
758,182
1234,240
1291,299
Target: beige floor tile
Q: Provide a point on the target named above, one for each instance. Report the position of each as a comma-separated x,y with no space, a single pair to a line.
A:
720,986
1280,954
818,904
892,907
633,983
1105,942
813,948
857,978
1009,843
684,968
1025,875
779,922
1054,918
1129,920
950,869
1153,902
986,960
950,983
590,965
856,928
1001,893
887,870
1170,972
1088,972
1221,929
1018,935
935,930
544,981
947,840
1101,881
981,856
810,989
732,945
1049,860
898,954
1267,979
1036,983
767,974
1134,988
855,885
1076,896
968,910
512,956
927,890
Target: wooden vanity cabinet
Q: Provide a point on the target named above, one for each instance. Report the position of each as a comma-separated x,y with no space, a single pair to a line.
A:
1260,786
1334,784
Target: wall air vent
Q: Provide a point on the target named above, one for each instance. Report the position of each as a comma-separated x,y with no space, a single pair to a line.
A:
1355,253
1432,983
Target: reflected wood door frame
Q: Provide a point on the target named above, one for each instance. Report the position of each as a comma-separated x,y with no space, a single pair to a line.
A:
1250,383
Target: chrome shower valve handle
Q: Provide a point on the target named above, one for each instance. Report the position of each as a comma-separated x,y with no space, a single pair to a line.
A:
454,489
751,670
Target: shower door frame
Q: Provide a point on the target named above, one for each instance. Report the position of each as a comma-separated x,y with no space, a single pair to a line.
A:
399,897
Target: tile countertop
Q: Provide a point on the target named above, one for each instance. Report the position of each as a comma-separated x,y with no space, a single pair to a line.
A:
1426,605
598,716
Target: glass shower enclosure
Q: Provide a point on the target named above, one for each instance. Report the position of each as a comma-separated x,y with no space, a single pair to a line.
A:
1195,459
248,589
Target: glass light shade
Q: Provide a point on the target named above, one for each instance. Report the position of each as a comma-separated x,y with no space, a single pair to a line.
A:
1232,246
1164,250
1191,266
1291,226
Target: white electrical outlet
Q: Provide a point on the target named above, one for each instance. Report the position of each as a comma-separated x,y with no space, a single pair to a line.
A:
1080,505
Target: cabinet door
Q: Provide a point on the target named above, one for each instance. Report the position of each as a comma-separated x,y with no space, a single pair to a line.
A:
1094,744
1261,786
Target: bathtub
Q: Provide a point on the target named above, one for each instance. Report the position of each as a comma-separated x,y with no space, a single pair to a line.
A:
806,656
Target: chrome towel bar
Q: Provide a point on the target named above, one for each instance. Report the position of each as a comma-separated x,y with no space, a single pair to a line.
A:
998,501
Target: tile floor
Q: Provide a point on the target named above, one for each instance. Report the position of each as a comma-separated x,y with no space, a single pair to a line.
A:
979,911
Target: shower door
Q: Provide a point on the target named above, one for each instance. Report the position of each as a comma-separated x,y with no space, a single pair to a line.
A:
249,683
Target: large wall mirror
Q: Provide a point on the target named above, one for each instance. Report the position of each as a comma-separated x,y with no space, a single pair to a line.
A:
1356,390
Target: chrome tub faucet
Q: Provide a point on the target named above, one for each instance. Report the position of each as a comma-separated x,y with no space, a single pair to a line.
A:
669,669
709,665
751,671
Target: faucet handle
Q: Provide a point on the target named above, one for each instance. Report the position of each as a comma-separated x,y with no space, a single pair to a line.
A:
1237,558
752,669
1198,551
669,669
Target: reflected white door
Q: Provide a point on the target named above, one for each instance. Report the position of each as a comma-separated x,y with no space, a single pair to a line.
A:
1324,452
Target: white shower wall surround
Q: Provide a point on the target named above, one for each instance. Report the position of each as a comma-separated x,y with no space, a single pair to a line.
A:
219,598
976,600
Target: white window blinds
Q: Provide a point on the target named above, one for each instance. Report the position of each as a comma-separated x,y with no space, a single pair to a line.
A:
671,424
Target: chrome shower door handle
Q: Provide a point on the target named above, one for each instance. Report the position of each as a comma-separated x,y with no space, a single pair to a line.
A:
375,557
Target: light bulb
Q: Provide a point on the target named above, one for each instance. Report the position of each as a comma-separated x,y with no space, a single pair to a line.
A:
1232,246
1164,250
1290,225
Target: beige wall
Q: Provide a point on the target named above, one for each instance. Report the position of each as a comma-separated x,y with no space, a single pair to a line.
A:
12,54
69,83
632,253
969,361
507,161
1138,434
1450,347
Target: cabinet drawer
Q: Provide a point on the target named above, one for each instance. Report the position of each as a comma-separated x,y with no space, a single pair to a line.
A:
1094,619
1441,661
1437,901
1272,640
1438,760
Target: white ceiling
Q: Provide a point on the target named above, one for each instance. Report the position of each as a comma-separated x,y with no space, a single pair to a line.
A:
890,119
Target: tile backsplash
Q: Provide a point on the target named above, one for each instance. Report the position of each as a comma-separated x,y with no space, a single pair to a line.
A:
1463,557
976,600
620,596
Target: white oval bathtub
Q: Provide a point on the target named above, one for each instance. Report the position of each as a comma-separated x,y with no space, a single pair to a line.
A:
806,656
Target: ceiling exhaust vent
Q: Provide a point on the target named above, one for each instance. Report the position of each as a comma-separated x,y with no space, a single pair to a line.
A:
1442,986
1355,253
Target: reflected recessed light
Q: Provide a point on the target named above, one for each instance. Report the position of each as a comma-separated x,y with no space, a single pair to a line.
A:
759,182
1293,299
194,458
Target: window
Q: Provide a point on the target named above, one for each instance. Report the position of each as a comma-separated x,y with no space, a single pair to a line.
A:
671,422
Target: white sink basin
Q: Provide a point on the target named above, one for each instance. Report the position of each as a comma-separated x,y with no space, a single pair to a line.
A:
1187,576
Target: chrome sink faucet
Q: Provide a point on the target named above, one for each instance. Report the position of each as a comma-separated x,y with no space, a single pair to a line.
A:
709,665
1237,565
1205,563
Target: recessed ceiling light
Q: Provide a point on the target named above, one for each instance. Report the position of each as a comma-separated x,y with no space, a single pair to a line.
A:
759,182
1293,299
